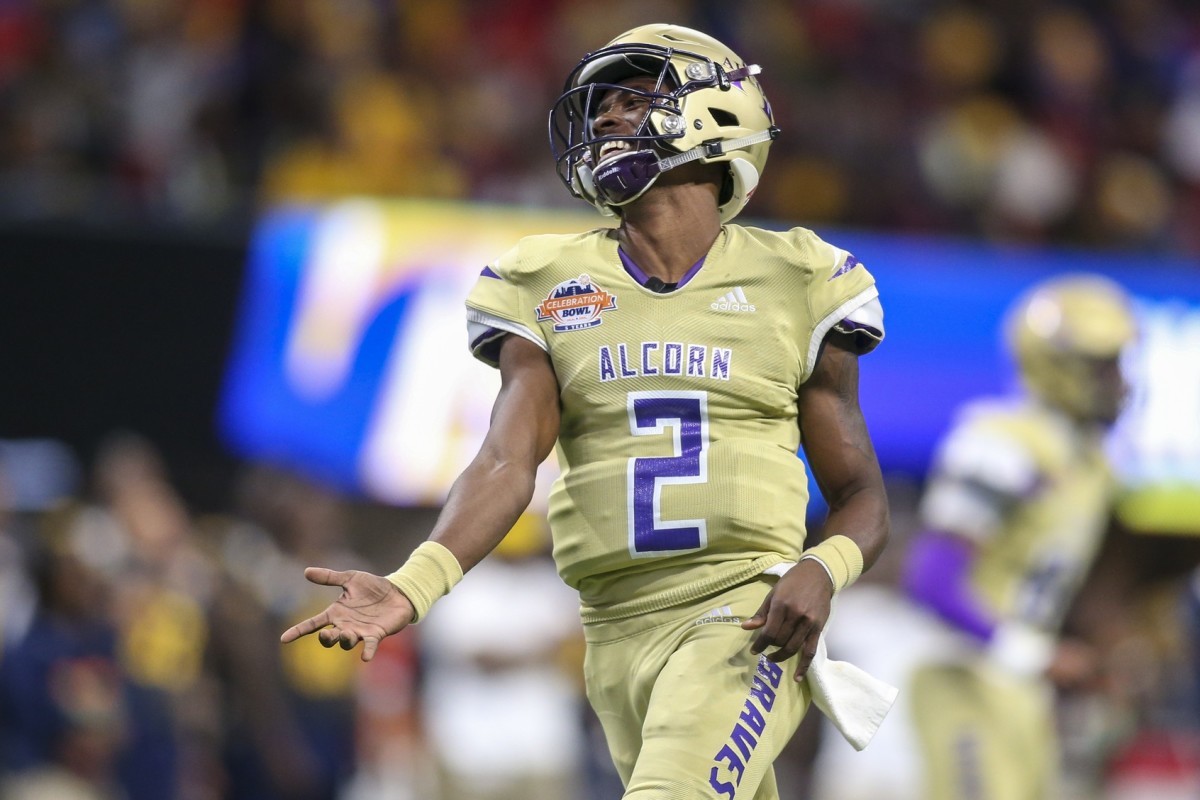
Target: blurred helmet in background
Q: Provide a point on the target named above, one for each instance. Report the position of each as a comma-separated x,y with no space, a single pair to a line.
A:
706,105
1067,335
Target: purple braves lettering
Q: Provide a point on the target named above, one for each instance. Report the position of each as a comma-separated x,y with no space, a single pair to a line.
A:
730,761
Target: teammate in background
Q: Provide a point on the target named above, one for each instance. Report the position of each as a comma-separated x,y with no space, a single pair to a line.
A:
1015,509
678,361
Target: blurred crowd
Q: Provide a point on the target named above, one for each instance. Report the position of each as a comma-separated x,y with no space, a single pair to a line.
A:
140,655
1030,121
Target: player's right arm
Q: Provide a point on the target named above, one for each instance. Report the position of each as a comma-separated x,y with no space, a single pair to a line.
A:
937,576
977,482
483,505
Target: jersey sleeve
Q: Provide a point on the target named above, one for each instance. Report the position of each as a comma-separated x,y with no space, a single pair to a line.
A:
495,309
980,473
841,296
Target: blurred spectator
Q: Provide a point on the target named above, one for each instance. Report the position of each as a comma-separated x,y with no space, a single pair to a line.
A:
1065,122
391,758
513,663
290,715
35,475
137,534
63,703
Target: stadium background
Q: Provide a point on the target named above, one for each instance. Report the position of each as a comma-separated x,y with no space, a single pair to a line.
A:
149,147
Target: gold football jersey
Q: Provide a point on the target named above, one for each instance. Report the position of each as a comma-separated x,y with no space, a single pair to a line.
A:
1034,493
679,428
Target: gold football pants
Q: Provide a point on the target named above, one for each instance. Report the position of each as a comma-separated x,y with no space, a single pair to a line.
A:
688,712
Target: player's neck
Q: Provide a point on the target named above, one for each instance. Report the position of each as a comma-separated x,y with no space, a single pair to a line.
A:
669,229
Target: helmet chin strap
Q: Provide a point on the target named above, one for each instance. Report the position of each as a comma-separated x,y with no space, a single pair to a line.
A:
624,178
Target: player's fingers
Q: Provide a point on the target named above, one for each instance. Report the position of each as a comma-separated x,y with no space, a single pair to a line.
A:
306,627
807,652
370,645
755,622
788,646
761,643
326,577
348,639
760,617
328,636
768,635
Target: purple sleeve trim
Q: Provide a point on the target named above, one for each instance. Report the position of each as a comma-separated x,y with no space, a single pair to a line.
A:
849,325
489,333
936,576
486,345
488,273
850,263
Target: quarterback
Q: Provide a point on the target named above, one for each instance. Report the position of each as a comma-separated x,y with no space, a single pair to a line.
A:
677,362
1013,516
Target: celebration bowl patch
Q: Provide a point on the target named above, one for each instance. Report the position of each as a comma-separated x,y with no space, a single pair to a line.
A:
575,304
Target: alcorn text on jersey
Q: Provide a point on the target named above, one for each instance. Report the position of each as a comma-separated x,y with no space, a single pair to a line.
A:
679,427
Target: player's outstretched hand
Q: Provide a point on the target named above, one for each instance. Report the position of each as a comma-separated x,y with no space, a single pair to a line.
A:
369,609
793,615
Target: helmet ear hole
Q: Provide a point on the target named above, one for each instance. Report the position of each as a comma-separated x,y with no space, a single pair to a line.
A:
727,188
723,118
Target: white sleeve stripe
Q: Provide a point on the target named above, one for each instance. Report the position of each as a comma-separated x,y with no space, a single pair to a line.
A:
478,323
999,463
868,318
833,318
961,509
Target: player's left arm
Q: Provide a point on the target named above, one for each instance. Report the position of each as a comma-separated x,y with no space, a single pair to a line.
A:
839,450
843,462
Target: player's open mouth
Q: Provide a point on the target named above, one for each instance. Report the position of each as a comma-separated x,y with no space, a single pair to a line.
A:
612,149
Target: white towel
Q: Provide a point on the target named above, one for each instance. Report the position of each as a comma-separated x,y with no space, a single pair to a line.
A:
854,701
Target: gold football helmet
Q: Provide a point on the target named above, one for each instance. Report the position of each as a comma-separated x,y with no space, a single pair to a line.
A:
1067,335
706,105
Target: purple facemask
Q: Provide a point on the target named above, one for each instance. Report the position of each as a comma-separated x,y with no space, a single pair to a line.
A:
624,177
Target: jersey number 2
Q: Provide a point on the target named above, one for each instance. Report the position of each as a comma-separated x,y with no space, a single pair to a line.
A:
650,414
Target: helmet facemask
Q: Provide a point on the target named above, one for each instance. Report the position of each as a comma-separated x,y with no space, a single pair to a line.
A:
623,178
703,104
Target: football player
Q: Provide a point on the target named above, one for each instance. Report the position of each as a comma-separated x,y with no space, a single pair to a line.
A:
678,362
1014,512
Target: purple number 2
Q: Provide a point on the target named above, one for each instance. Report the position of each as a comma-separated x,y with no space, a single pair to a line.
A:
686,415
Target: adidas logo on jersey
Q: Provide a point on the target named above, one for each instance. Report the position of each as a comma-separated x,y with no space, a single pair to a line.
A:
722,614
733,301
